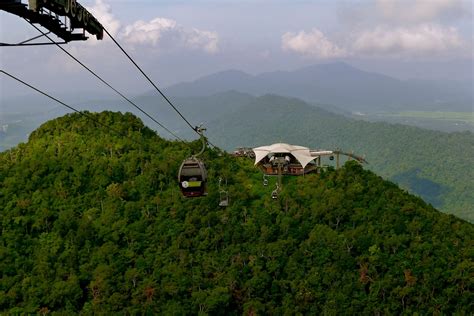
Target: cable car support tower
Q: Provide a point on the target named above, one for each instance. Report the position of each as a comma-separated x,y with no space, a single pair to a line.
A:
60,17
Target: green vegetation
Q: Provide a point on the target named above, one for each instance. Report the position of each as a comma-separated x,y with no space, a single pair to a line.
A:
94,223
434,165
467,117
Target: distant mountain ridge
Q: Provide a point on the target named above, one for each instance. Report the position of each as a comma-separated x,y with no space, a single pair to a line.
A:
339,84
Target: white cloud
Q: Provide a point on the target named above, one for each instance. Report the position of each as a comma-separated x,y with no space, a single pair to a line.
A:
417,40
103,13
142,32
162,32
167,32
421,10
311,44
204,40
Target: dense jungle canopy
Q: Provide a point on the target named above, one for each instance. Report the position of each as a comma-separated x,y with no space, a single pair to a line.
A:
94,222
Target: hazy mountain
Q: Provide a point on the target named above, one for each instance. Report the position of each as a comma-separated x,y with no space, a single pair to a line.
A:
341,85
200,109
21,116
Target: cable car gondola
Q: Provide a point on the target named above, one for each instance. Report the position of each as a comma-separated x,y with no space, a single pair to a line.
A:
192,177
192,174
223,195
275,192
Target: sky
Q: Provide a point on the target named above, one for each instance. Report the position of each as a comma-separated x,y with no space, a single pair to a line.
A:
182,40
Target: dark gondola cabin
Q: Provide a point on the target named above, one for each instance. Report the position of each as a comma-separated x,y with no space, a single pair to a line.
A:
192,178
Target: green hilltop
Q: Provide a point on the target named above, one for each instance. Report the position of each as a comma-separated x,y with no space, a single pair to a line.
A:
434,165
94,223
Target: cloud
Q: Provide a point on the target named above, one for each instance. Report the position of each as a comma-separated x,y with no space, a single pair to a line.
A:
158,32
103,13
422,10
151,32
311,44
204,40
417,40
168,33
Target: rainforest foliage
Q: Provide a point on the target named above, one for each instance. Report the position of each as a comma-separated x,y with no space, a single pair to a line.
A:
434,165
93,222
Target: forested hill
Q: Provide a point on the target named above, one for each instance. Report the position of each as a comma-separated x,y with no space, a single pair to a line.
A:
93,222
434,165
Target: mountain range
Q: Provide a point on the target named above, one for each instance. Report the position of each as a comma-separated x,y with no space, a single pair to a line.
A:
340,85
434,165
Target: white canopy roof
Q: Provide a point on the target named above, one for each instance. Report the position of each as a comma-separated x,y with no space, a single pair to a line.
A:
317,153
302,154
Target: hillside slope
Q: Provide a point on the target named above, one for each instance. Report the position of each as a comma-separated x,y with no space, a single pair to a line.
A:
435,165
94,223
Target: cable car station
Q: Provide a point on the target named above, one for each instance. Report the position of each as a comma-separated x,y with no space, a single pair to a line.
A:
286,159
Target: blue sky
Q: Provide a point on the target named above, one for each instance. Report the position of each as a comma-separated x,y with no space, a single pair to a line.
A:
182,40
